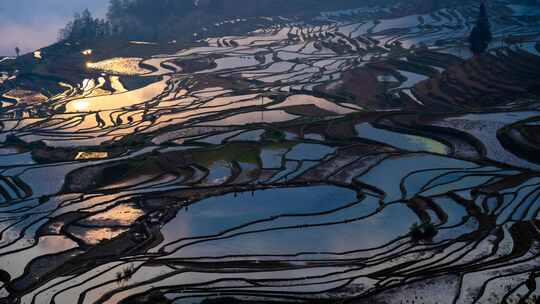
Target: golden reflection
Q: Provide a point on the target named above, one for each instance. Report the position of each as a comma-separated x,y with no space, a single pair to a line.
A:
87,52
91,155
117,85
57,243
122,215
81,105
94,236
117,101
37,55
119,65
25,96
98,92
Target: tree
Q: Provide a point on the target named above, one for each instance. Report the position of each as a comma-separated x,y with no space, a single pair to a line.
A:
148,19
85,27
480,36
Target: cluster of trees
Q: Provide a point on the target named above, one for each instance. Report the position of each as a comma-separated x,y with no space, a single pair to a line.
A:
149,19
130,19
85,27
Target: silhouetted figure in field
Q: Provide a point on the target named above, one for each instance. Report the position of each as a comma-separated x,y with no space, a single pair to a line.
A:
17,51
481,33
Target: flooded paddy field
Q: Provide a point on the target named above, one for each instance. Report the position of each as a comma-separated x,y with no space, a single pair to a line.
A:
351,157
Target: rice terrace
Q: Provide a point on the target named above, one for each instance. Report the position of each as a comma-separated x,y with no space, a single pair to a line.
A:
300,151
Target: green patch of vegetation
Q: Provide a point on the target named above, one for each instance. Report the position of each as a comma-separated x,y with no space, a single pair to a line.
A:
273,135
279,145
245,153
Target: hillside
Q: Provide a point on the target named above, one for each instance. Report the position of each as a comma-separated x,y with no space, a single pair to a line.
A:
220,154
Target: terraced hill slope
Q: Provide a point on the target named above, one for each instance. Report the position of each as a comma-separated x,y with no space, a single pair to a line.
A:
355,156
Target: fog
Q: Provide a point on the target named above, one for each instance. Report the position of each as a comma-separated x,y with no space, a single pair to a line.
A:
32,24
